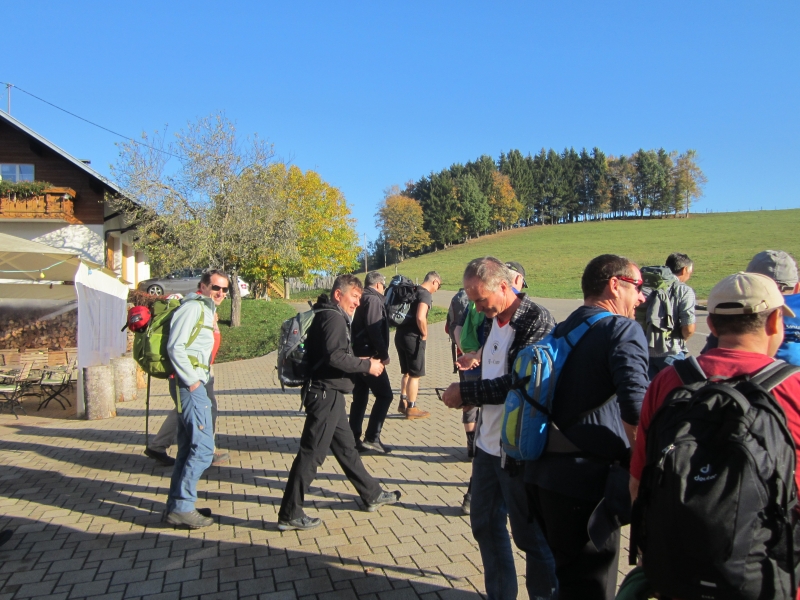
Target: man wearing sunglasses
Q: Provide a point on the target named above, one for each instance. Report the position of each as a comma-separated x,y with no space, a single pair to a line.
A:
593,423
190,345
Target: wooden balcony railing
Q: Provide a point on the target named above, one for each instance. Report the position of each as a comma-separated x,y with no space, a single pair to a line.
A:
53,203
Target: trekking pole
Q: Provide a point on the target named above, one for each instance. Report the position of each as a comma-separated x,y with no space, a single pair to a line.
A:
455,356
147,414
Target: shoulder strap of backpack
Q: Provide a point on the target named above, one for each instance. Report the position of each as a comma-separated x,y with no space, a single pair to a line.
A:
574,336
199,326
774,374
690,371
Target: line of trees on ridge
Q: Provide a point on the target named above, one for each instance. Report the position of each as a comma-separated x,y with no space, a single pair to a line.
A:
486,196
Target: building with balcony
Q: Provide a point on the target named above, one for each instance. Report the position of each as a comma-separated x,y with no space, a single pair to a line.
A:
71,213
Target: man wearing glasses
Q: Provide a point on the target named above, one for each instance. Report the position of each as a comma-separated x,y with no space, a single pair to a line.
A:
410,341
191,341
371,340
593,424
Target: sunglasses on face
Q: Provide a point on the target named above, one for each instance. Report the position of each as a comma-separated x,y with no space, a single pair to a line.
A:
219,288
637,283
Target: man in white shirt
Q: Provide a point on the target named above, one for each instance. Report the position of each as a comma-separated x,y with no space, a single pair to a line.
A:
512,322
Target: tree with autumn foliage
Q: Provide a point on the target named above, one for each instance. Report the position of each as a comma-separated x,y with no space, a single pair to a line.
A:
689,181
506,209
319,220
400,220
217,207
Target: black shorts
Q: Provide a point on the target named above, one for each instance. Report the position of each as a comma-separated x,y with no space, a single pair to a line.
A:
470,415
411,353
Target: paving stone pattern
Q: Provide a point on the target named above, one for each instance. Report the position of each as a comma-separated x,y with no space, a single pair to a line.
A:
86,505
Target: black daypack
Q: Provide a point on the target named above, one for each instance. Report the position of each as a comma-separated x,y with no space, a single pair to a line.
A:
715,513
400,296
294,368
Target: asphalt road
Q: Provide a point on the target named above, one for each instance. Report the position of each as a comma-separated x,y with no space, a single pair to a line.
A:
561,308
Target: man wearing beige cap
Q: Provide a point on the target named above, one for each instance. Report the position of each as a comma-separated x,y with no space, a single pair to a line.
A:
746,313
782,269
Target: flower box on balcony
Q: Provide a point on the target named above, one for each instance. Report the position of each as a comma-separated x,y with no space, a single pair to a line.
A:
52,203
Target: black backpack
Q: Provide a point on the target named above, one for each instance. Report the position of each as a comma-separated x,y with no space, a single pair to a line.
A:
294,368
715,513
400,297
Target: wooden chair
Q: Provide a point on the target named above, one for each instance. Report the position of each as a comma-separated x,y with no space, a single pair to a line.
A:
57,358
10,358
38,356
11,389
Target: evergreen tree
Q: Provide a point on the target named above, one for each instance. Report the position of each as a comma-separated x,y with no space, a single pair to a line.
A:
442,214
475,209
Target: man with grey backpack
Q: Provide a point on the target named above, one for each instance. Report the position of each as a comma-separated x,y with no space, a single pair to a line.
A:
667,314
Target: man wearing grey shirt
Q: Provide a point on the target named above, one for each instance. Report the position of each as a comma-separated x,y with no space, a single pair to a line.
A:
673,347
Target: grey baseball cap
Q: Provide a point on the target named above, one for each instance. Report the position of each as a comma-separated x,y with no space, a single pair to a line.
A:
777,265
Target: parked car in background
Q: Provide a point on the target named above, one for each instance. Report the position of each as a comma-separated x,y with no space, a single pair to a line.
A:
182,282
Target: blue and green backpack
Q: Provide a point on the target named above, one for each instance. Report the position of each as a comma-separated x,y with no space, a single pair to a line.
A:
529,403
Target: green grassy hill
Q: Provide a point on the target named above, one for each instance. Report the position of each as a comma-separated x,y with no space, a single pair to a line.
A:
555,256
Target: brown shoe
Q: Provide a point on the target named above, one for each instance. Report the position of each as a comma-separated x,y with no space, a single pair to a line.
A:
415,413
402,407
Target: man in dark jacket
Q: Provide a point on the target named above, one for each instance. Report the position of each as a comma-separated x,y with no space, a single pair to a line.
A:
326,426
371,340
593,425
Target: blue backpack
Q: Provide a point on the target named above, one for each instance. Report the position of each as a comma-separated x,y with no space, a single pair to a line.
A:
530,401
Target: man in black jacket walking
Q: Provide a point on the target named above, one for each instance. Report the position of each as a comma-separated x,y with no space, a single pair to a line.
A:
326,426
371,340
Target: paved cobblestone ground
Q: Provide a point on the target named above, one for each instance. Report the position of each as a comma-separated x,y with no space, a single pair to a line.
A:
85,505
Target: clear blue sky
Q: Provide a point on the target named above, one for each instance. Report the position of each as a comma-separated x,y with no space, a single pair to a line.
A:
373,94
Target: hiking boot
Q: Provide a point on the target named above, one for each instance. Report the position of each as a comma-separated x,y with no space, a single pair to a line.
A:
402,407
206,512
384,498
416,413
303,523
465,504
377,446
162,457
189,520
220,458
360,447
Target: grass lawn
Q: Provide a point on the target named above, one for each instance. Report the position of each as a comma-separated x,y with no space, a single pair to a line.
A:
261,327
437,314
555,256
259,332
303,295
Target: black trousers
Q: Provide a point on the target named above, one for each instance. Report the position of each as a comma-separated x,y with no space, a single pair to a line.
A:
326,427
583,571
381,388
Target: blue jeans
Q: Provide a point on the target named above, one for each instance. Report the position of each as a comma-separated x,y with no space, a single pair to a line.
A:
659,363
496,496
195,447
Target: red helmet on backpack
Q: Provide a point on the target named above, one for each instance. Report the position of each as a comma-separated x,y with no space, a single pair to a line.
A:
138,318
